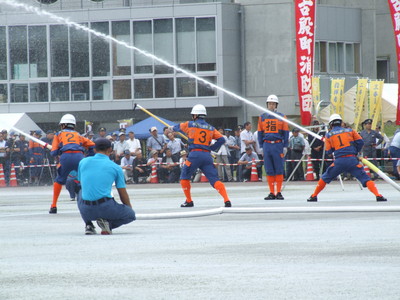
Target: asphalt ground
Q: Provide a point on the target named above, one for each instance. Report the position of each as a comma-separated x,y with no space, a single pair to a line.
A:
269,255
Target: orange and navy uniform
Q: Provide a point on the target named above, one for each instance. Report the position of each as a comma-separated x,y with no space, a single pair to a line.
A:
36,153
70,141
200,134
343,142
273,136
272,129
70,145
35,149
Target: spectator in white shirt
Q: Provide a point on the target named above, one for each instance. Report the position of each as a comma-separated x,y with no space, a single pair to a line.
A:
246,138
119,147
126,165
134,144
222,158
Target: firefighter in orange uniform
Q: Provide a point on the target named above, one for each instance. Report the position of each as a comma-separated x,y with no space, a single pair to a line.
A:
345,144
36,152
70,145
200,134
273,137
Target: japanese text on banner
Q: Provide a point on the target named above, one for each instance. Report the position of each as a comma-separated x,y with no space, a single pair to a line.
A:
305,20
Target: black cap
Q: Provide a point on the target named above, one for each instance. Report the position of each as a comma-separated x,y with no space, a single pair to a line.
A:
127,152
295,130
367,121
248,148
102,129
102,144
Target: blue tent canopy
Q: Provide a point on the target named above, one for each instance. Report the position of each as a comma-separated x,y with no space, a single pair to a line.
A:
141,129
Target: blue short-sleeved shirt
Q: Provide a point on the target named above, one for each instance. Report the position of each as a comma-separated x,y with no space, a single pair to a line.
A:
97,174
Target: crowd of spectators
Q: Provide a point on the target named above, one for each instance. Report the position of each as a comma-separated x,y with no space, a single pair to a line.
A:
167,151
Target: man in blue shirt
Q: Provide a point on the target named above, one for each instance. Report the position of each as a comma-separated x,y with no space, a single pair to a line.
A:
95,201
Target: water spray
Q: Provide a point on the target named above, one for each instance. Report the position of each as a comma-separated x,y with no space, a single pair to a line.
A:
106,37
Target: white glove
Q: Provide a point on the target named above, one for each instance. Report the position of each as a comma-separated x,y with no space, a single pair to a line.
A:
171,128
284,151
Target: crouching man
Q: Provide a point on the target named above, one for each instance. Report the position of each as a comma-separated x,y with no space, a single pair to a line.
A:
95,200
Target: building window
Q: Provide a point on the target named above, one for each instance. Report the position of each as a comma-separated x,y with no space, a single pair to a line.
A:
143,88
80,91
122,89
3,93
59,52
340,57
317,59
18,52
164,87
332,58
206,44
185,87
79,48
205,90
349,58
39,92
59,91
142,39
163,45
121,57
19,93
186,44
3,54
101,90
37,51
322,56
357,58
100,50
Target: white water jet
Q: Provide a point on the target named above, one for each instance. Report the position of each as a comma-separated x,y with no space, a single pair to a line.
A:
69,23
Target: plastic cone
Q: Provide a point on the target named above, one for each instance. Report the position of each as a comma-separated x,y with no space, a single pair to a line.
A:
154,176
203,178
254,174
13,177
2,180
310,170
367,170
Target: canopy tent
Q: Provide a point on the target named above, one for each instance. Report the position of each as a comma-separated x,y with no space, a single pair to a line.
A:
142,128
389,105
20,121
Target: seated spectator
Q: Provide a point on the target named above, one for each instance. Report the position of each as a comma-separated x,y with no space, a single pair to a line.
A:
183,158
247,162
126,165
140,169
153,160
169,170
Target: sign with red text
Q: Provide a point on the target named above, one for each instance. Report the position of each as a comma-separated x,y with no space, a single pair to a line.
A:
394,6
305,25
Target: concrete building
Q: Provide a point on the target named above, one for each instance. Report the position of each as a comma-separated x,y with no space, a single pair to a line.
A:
245,46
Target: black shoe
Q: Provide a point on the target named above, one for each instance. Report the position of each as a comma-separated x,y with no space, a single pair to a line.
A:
90,230
380,199
312,199
53,210
187,204
228,204
270,197
279,197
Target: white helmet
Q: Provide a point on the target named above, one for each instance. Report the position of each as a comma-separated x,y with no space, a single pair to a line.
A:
334,117
273,99
199,109
68,119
